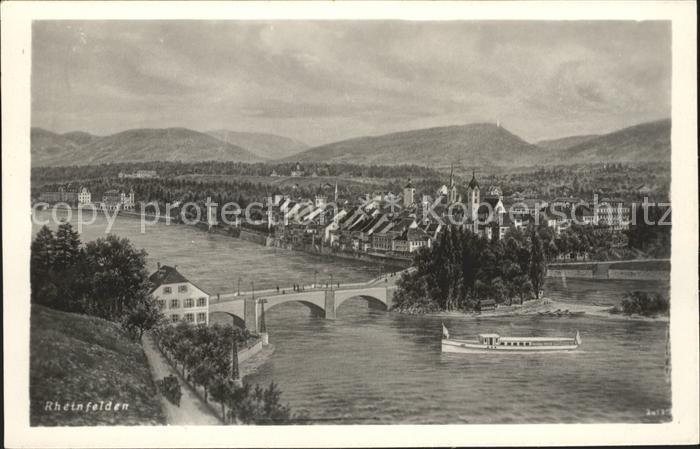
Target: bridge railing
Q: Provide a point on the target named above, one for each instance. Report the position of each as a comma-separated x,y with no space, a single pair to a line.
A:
320,286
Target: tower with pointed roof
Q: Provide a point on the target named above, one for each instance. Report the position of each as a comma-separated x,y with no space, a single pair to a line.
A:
452,192
473,197
409,193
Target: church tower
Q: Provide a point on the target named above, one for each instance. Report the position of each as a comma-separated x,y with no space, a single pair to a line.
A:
473,198
409,193
452,192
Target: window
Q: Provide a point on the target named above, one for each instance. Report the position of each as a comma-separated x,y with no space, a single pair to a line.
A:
189,317
201,317
175,318
182,288
189,302
167,290
202,302
174,304
161,304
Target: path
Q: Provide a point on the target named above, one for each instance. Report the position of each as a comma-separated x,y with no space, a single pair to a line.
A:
192,411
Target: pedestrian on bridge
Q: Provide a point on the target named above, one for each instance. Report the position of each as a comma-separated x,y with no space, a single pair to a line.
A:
278,289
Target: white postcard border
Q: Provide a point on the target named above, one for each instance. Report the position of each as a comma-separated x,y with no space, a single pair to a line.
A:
16,62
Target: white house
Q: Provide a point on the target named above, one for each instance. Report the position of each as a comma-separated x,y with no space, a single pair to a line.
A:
178,298
84,197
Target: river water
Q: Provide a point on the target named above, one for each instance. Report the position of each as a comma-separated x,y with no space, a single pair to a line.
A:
370,366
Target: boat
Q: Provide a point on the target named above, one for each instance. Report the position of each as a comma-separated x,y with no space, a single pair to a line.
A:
490,343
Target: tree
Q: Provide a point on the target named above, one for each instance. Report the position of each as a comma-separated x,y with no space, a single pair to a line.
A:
116,277
144,316
538,264
249,405
220,390
644,303
204,374
522,288
41,263
66,246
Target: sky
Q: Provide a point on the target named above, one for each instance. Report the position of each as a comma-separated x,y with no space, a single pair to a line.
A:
323,81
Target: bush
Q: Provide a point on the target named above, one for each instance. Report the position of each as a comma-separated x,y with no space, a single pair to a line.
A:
644,303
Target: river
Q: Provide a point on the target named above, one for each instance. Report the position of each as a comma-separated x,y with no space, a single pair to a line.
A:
370,366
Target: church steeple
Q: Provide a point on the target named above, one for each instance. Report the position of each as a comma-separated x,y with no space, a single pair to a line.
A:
473,184
452,191
473,198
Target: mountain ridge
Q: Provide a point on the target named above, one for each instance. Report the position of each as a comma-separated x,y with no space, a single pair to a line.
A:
481,143
644,142
476,145
562,143
264,145
133,145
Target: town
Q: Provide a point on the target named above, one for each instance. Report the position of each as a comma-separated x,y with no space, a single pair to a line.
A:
382,224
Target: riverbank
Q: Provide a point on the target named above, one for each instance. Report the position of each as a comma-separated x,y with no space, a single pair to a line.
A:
254,362
641,269
536,306
388,263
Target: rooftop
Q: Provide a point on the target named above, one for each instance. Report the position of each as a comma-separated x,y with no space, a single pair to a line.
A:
166,275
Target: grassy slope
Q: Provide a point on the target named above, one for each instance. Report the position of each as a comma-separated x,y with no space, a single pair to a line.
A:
81,359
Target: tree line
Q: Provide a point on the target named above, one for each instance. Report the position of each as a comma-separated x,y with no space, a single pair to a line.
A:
204,354
176,168
106,278
461,269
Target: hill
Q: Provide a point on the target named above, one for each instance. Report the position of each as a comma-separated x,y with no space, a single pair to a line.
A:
135,145
49,147
565,142
646,142
266,146
80,359
479,144
80,137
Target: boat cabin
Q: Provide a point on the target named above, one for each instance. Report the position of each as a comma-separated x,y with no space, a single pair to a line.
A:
489,339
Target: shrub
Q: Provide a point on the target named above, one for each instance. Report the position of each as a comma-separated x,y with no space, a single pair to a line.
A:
644,303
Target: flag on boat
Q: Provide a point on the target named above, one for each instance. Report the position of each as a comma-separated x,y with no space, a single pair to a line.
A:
577,339
445,332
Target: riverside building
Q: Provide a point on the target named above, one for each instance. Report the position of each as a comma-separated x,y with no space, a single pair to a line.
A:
178,298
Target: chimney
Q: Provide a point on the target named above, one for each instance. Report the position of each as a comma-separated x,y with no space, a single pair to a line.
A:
158,264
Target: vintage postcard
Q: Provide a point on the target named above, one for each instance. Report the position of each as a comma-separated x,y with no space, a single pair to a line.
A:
355,223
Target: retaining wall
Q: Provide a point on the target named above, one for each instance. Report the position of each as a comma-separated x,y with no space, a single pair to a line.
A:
611,274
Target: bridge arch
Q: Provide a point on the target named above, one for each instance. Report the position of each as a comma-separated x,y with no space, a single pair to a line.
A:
237,321
315,309
372,300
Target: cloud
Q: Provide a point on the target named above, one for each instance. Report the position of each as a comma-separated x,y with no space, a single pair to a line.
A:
318,81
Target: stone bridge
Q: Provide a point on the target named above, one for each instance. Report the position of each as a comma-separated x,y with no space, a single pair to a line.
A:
246,311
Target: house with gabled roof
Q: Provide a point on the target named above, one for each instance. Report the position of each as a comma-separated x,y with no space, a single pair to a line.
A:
178,298
411,240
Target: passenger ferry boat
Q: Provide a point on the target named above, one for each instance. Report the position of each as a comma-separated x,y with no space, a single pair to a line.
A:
496,343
